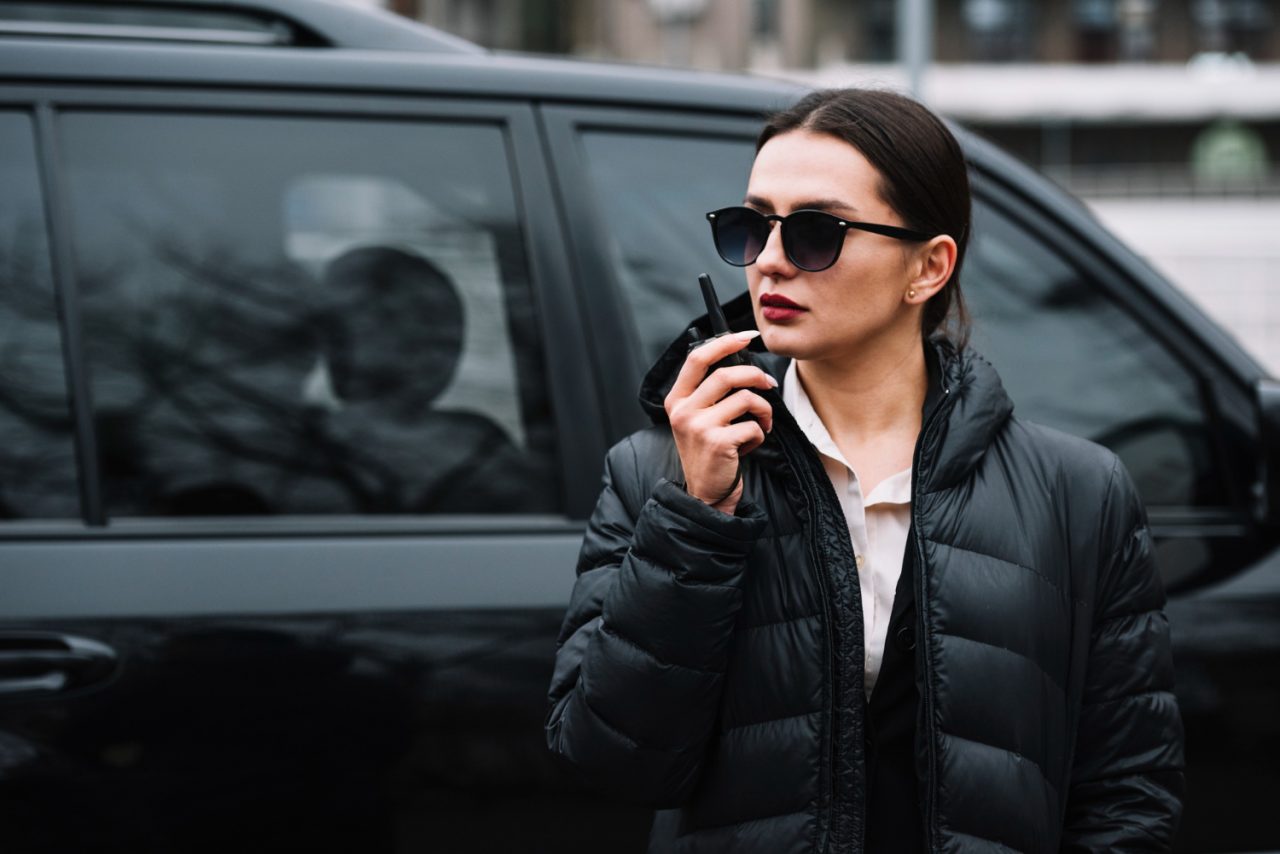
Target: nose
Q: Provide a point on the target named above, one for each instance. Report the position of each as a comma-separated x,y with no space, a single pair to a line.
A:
773,261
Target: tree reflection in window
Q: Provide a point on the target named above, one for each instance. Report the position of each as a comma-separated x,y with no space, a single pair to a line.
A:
37,466
335,327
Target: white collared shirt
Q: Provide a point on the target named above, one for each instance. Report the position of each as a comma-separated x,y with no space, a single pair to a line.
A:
878,524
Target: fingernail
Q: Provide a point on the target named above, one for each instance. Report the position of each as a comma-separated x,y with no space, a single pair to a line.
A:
748,334
772,382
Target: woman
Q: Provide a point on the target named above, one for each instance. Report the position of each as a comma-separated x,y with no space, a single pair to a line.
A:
880,613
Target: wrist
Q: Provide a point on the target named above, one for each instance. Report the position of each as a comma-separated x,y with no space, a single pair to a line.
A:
728,501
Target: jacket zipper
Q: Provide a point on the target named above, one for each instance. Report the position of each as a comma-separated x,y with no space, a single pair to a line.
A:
792,454
824,840
921,609
819,564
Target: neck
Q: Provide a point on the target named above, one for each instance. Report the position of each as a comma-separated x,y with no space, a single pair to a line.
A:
865,395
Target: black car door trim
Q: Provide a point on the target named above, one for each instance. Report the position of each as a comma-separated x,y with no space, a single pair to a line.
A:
119,580
62,260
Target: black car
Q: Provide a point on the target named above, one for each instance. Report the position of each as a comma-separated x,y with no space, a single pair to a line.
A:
314,328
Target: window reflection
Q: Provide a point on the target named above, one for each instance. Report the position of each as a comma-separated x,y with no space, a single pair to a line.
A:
293,316
659,239
37,466
1072,359
999,30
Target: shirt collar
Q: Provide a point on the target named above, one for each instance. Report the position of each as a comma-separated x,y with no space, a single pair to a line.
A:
797,401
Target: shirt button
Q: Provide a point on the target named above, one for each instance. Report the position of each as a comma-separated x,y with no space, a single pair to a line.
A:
857,559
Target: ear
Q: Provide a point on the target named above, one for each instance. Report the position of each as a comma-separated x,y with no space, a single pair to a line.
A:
932,266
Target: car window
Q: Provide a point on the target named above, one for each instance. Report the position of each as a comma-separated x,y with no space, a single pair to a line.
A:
37,462
653,191
1070,357
307,316
1073,359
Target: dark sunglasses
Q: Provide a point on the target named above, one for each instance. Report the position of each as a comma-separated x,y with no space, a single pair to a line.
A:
811,239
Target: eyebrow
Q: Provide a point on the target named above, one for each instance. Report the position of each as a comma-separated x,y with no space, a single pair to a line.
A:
828,205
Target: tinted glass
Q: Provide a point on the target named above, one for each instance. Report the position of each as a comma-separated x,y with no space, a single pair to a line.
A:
1070,357
37,464
813,240
740,234
657,190
1073,359
307,316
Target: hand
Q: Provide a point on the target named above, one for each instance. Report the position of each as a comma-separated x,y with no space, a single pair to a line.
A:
702,407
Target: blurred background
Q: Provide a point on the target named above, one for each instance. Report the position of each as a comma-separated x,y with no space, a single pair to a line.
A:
1163,116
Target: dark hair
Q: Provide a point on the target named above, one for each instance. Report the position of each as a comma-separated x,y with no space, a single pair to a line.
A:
923,173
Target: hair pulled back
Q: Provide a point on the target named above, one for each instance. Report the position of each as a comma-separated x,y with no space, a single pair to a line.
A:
923,175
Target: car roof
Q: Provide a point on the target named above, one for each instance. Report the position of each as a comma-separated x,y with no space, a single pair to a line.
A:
283,23
388,72
331,46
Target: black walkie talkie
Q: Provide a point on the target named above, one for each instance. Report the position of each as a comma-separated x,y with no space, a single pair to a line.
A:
719,326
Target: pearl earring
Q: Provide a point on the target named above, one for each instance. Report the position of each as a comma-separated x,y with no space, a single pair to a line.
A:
911,294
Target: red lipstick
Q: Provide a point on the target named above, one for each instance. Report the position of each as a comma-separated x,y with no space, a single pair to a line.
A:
778,309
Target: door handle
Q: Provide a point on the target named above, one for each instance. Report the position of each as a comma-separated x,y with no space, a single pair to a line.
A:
48,663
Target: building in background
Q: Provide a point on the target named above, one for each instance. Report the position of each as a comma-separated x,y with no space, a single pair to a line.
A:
1112,97
1163,115
738,35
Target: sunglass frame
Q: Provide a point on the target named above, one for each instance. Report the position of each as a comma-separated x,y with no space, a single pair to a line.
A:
893,231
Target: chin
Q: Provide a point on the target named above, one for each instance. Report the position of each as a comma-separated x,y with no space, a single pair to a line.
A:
804,346
784,342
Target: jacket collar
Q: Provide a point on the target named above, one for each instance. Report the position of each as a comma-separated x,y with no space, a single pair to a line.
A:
972,411
965,408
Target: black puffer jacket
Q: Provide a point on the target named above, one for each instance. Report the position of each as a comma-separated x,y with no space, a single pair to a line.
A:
712,665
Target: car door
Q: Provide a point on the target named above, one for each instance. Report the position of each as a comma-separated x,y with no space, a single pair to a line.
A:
292,486
1086,338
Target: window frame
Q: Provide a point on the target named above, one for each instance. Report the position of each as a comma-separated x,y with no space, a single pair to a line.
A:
574,403
36,114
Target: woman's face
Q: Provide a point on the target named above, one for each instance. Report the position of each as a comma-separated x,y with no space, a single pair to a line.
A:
861,299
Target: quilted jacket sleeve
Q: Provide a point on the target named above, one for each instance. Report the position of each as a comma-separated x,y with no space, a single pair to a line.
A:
1126,786
641,655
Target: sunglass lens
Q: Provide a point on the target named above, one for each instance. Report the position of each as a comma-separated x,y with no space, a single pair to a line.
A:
813,239
740,235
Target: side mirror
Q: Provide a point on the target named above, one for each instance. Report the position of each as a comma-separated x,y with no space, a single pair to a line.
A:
1266,487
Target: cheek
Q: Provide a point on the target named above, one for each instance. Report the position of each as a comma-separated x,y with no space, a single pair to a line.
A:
873,278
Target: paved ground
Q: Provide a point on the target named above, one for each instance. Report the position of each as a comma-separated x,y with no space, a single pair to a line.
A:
1225,254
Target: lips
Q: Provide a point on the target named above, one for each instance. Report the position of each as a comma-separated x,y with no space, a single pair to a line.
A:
778,301
777,308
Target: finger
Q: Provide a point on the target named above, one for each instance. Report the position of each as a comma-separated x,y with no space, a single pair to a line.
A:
702,357
746,436
741,402
724,381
